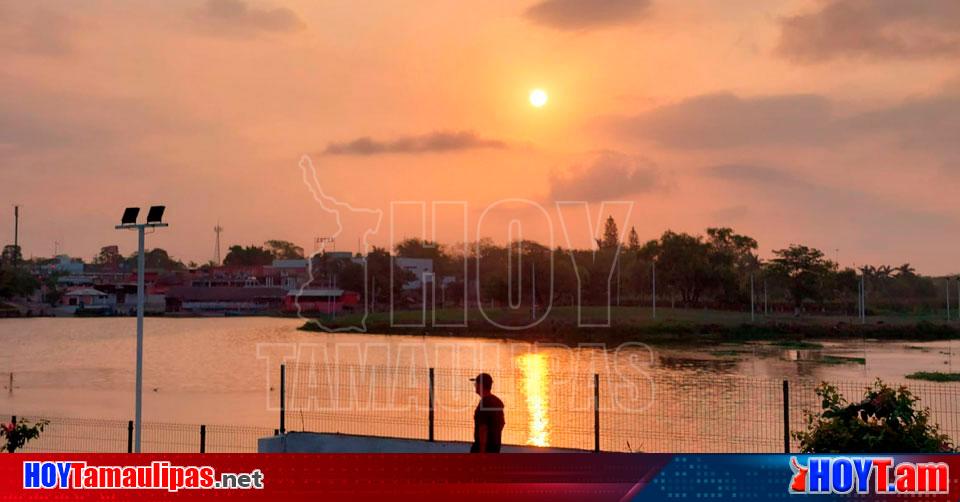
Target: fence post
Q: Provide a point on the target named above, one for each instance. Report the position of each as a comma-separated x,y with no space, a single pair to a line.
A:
432,402
130,436
786,416
596,412
203,438
283,398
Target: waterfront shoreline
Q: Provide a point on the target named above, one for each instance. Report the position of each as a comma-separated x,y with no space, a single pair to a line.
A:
669,332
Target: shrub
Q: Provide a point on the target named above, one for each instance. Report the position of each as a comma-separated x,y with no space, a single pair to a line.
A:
17,434
886,420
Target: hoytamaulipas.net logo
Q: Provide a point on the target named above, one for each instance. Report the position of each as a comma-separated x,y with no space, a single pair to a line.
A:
868,475
158,475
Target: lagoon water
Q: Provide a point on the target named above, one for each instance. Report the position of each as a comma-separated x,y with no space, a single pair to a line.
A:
224,371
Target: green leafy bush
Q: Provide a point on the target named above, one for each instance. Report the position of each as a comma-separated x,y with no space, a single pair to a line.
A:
17,434
886,420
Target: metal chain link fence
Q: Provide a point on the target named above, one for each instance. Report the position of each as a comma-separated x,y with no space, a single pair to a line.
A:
689,412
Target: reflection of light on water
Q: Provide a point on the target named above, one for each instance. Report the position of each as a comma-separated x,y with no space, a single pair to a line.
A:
533,368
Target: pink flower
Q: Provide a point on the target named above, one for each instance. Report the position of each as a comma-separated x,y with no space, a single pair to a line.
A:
8,427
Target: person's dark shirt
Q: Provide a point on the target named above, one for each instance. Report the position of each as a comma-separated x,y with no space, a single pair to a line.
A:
489,412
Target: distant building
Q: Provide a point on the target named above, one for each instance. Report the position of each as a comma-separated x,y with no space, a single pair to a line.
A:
421,268
87,297
320,301
86,301
66,265
287,274
224,299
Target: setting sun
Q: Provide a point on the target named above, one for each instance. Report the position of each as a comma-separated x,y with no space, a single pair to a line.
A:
538,98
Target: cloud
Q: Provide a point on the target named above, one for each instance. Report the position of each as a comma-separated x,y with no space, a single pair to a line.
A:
872,29
435,142
43,122
585,14
40,32
727,121
237,16
929,123
871,216
728,214
607,176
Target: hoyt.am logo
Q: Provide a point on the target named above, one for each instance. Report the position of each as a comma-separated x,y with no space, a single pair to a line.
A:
874,475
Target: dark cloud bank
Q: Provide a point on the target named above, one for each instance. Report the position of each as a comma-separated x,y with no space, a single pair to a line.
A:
872,29
438,141
586,14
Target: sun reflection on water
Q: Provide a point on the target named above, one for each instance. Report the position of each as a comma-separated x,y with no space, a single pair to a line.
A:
534,378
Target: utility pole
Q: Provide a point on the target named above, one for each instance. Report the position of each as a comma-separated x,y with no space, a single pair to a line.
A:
217,230
863,297
752,314
16,234
533,293
654,295
765,311
948,299
618,276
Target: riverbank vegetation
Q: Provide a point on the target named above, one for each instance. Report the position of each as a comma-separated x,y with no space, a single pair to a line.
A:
886,420
935,376
633,324
718,271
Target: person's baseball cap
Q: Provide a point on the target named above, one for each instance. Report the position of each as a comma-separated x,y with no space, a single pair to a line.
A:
485,379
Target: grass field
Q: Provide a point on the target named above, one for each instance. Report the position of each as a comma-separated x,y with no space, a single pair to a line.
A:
637,323
634,316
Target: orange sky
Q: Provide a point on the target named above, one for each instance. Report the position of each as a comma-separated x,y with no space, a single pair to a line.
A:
826,122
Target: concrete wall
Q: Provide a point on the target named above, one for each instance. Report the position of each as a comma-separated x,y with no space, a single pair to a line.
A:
314,442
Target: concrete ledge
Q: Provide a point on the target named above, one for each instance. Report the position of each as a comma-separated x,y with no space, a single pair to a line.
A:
315,442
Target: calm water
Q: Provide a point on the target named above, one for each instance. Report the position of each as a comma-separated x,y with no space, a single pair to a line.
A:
223,371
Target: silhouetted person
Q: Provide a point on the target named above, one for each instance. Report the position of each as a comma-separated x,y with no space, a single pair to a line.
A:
487,418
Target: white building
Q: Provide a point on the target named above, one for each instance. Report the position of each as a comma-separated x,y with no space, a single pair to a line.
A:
421,268
67,265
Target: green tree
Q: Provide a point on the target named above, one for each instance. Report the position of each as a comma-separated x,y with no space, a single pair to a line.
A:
16,282
16,434
156,258
249,256
683,264
443,263
611,235
284,250
732,260
108,255
633,241
886,420
53,293
11,255
803,270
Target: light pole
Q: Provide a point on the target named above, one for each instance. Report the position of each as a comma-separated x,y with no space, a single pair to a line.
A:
129,221
653,266
948,298
863,296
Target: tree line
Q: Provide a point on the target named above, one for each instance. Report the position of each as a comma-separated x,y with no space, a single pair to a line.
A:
712,270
